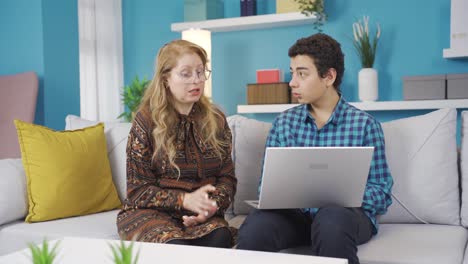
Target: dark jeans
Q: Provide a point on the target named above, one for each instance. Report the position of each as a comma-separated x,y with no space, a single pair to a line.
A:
333,232
220,238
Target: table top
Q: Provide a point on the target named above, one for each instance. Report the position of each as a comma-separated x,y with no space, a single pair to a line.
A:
73,250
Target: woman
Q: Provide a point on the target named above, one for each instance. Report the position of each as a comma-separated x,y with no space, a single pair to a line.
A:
180,176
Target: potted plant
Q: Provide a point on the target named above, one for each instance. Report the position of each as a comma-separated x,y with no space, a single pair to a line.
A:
131,97
313,7
43,254
123,254
366,48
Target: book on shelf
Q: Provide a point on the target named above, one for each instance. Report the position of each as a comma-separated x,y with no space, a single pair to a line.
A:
248,7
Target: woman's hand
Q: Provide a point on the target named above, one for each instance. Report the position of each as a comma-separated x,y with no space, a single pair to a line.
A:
199,203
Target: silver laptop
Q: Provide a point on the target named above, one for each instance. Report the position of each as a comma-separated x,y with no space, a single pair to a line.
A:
308,177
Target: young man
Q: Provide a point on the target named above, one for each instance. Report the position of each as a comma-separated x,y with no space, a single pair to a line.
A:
324,118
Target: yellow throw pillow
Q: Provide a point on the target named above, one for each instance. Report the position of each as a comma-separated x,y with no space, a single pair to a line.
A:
68,172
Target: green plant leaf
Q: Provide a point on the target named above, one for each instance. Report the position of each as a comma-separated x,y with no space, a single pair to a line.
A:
316,7
123,254
366,48
132,95
42,254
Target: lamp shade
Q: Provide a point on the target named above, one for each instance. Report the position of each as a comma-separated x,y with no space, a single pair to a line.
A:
202,38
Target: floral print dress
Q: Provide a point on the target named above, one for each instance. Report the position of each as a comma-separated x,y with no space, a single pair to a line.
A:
153,209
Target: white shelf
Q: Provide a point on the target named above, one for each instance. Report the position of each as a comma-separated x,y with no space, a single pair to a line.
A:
247,22
367,106
455,53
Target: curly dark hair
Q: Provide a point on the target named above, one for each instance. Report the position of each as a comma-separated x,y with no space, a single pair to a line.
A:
325,52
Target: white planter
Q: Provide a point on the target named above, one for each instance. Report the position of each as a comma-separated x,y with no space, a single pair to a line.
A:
368,84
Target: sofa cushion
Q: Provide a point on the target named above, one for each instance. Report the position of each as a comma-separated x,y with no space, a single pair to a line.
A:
13,194
422,156
68,172
415,243
16,235
249,137
116,137
464,168
410,244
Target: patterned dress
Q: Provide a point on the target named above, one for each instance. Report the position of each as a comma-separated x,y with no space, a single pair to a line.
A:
153,209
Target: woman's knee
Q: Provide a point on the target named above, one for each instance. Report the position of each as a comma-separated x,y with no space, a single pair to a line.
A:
220,238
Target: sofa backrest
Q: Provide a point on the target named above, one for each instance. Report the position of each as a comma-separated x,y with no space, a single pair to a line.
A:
421,153
248,139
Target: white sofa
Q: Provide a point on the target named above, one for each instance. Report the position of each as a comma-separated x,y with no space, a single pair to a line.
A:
421,152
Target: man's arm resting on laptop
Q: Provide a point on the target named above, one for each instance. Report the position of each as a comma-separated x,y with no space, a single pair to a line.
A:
377,195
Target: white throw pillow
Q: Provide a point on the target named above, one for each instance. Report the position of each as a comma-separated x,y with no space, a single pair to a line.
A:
249,137
422,156
13,191
116,136
464,168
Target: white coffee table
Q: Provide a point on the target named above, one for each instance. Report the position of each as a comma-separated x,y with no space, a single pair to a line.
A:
85,250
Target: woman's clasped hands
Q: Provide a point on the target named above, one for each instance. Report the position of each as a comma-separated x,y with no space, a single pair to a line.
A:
200,203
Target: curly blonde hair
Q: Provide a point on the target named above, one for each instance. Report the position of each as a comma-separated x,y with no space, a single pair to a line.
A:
159,99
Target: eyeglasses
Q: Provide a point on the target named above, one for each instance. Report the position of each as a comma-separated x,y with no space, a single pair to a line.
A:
188,76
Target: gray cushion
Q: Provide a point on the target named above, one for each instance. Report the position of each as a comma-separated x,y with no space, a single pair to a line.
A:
464,168
410,244
415,243
422,156
249,137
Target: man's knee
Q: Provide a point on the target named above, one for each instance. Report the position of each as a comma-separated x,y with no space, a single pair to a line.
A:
335,216
257,231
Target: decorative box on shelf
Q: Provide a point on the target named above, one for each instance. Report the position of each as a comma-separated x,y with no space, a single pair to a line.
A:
268,93
429,87
269,76
457,86
198,10
287,6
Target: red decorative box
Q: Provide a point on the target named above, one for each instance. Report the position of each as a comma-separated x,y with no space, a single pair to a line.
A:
269,76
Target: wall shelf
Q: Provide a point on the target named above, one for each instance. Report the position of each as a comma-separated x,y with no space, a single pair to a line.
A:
454,53
367,106
246,22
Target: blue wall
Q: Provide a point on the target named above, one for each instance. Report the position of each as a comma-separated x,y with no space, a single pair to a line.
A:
61,61
236,55
42,36
409,45
146,27
21,43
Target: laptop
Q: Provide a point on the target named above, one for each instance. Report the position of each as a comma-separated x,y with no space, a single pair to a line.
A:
309,177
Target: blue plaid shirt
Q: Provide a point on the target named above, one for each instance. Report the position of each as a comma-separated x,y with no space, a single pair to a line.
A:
347,126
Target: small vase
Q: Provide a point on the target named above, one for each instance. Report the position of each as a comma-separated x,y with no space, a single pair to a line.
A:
368,84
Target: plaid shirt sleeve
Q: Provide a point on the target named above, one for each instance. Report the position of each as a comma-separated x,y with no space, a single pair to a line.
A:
274,137
377,195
